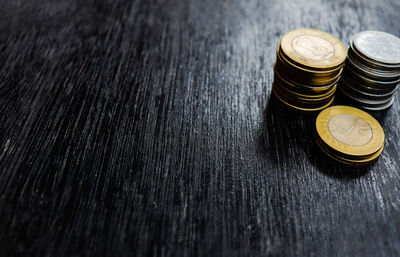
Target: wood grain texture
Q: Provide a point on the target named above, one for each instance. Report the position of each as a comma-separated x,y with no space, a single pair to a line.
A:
145,128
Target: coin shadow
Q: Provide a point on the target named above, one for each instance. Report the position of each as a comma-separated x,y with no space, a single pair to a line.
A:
285,134
333,169
289,136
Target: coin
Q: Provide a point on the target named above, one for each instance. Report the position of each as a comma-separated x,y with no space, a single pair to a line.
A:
307,69
300,108
357,163
369,84
370,73
363,94
350,131
378,46
298,101
353,54
366,106
372,70
378,107
366,103
303,88
314,49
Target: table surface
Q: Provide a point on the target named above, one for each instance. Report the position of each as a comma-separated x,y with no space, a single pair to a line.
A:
146,128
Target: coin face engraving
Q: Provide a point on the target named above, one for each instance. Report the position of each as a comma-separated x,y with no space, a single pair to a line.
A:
313,47
350,129
379,46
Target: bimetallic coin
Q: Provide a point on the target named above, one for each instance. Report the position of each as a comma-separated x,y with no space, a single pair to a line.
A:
313,49
297,108
299,101
298,77
285,60
302,88
350,131
309,97
355,163
378,46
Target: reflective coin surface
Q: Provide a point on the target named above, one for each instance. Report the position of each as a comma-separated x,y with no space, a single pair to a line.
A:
313,49
380,46
350,131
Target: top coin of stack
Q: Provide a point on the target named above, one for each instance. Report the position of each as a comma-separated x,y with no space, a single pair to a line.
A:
372,70
308,65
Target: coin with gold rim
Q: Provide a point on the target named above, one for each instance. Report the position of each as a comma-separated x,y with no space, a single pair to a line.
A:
356,163
298,108
350,131
313,49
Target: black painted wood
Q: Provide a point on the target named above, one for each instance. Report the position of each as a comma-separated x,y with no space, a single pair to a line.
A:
145,128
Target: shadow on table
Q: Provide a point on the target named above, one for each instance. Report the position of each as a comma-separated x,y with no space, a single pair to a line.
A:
289,139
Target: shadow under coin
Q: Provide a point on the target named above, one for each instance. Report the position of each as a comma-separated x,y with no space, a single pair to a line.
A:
289,139
332,168
286,134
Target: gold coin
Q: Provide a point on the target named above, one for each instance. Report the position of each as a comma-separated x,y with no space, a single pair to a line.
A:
350,131
308,78
305,97
303,88
342,155
313,49
357,163
284,60
298,108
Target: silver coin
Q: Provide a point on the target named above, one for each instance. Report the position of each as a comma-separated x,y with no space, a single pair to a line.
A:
374,89
365,102
372,67
353,90
378,107
374,84
371,74
379,46
352,53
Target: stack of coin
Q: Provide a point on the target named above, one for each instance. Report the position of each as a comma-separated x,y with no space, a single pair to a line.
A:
307,68
349,136
372,70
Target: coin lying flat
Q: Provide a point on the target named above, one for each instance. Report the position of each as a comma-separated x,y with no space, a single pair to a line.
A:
349,136
300,107
313,48
350,131
378,46
356,163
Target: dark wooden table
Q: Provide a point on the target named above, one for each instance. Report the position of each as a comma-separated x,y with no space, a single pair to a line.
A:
145,128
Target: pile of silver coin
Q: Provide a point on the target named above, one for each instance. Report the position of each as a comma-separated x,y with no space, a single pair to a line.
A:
372,71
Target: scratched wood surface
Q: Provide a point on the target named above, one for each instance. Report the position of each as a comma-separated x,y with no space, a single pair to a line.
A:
145,128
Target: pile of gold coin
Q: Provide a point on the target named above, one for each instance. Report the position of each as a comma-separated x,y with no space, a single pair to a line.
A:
349,136
307,68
